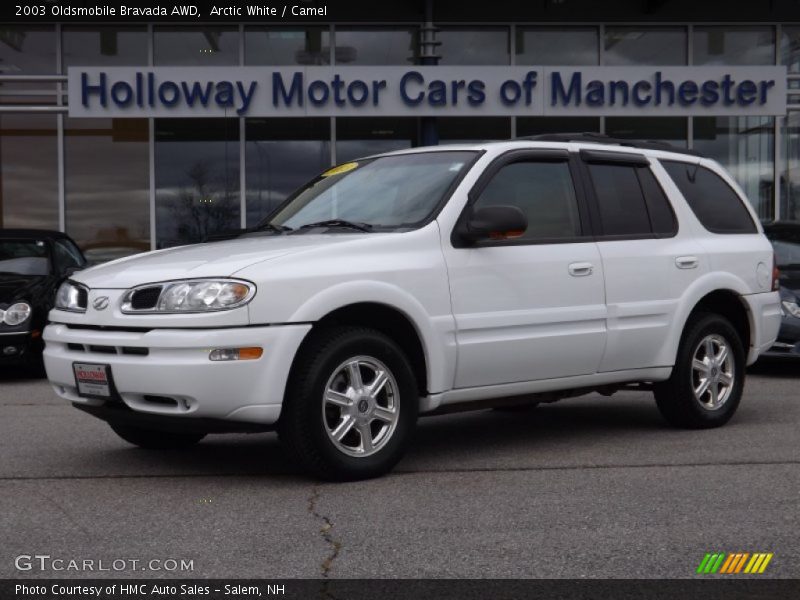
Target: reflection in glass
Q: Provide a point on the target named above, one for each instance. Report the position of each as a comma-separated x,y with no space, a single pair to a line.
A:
745,147
28,171
197,179
652,46
281,155
27,50
484,46
107,186
551,46
790,48
376,46
734,45
790,181
97,46
196,46
473,129
356,138
282,46
542,125
672,130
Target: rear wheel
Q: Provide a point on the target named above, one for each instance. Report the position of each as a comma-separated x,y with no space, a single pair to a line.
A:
155,440
351,405
708,378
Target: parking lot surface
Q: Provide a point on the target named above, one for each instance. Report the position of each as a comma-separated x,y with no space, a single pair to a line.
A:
587,487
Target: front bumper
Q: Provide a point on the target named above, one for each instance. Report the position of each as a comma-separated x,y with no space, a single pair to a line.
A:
18,347
175,379
788,342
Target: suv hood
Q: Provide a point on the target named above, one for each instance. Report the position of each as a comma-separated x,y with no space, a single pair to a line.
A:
212,259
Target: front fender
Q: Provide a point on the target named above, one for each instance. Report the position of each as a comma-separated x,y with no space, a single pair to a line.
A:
437,334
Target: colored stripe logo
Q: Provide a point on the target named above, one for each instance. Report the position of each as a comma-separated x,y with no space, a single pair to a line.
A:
734,562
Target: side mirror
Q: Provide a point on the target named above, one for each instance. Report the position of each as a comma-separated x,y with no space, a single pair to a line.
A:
496,223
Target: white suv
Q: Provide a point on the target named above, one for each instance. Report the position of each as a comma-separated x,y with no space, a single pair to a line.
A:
429,280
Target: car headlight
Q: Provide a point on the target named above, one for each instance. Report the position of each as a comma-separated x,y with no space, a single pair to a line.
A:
791,307
16,314
71,297
199,295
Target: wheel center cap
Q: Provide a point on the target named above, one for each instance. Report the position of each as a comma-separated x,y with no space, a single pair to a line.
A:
363,405
714,372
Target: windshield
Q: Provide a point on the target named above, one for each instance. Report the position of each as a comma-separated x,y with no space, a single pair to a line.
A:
387,192
786,253
24,257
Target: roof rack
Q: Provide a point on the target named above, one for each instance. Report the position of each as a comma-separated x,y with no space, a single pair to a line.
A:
601,138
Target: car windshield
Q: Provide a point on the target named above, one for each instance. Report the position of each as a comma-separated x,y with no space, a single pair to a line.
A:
787,251
389,193
24,257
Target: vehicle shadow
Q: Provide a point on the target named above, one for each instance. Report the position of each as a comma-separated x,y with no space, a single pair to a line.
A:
592,421
14,374
776,367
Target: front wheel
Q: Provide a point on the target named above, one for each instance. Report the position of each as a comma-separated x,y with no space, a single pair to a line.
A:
707,380
152,439
351,404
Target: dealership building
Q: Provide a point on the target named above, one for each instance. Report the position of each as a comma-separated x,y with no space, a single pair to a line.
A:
132,137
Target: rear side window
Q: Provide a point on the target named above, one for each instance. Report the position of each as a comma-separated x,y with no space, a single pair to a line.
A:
620,200
713,201
662,217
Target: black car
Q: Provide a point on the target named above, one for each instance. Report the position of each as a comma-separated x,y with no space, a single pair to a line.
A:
785,238
33,264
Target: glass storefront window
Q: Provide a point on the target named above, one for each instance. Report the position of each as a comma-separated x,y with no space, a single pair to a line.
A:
197,179
27,50
28,171
107,186
280,156
196,46
473,129
790,179
551,46
640,46
283,46
543,125
357,137
376,46
745,146
484,46
98,46
672,130
734,45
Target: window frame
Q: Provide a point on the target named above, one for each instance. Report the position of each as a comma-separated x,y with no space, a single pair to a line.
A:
627,159
510,157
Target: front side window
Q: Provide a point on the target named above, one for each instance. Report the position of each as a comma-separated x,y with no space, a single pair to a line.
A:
24,257
389,192
543,191
713,201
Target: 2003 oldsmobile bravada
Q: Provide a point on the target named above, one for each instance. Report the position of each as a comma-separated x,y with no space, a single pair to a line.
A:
423,280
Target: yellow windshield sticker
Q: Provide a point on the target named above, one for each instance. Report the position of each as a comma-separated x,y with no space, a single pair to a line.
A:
344,168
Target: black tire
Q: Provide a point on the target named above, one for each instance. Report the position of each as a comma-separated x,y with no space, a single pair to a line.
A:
152,439
303,428
676,398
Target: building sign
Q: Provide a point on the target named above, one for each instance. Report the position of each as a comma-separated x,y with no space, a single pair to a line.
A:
425,91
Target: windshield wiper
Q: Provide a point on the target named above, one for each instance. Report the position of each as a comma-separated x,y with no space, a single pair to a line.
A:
270,227
338,223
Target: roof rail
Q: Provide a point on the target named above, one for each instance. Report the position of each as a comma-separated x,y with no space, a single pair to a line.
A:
601,138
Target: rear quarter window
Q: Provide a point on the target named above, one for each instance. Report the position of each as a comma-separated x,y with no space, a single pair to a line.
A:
715,204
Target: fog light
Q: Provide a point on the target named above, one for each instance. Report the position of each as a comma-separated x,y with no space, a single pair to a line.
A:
235,354
9,350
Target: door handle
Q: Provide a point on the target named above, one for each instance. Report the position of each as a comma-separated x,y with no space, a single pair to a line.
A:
687,262
580,269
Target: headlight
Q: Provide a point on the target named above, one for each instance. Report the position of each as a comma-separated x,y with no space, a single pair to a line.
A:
16,314
792,308
200,295
71,297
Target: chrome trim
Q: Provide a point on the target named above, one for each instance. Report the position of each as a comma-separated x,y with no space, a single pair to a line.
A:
15,333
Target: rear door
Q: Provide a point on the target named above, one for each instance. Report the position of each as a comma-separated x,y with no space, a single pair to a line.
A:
648,260
532,307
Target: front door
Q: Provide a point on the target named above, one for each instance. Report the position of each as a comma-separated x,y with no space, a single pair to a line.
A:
532,307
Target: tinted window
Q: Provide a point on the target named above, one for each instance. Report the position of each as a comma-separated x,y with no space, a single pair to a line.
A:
662,218
620,200
67,255
713,201
543,191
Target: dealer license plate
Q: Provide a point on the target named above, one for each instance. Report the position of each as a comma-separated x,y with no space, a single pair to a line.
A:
93,380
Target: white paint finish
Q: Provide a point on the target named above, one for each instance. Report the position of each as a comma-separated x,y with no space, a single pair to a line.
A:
519,312
390,102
